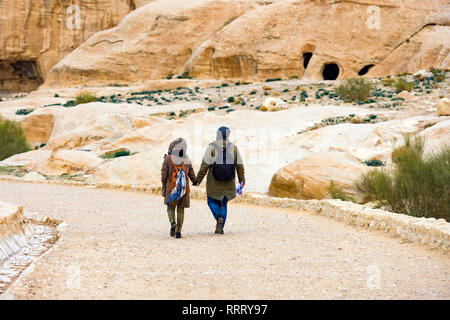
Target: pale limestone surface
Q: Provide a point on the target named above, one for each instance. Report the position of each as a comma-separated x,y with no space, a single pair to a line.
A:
119,241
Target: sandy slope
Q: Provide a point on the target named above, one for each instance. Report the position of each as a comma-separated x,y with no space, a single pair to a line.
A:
119,244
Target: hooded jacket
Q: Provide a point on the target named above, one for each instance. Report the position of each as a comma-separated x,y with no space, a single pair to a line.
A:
220,189
177,150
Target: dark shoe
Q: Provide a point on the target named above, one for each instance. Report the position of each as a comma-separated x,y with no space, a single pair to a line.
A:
172,229
178,236
219,226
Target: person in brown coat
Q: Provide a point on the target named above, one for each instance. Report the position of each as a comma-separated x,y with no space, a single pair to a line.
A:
178,157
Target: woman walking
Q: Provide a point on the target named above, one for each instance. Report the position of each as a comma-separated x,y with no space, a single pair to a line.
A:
176,172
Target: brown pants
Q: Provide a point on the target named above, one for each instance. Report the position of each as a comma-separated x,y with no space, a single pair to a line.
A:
180,216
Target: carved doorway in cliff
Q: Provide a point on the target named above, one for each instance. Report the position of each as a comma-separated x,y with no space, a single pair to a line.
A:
330,71
307,53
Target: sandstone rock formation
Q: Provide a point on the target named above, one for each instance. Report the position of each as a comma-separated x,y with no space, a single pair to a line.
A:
309,178
443,107
38,128
153,42
69,162
35,35
436,136
11,230
247,40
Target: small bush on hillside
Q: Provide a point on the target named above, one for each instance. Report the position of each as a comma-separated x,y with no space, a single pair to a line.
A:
12,139
24,112
273,79
355,90
417,185
374,163
85,97
403,85
118,154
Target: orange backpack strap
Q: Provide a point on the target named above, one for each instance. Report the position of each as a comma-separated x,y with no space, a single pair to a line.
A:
173,182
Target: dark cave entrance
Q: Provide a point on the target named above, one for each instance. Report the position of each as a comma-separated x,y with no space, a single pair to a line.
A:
330,71
365,69
306,58
19,75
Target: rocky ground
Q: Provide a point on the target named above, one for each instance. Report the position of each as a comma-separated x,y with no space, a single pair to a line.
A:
116,245
275,123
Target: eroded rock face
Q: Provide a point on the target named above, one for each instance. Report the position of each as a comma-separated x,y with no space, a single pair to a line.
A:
69,162
153,42
259,40
328,40
11,224
309,178
35,35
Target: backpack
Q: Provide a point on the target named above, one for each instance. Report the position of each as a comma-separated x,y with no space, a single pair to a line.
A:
178,184
223,169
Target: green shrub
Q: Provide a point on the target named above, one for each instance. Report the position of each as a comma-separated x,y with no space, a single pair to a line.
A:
85,97
403,85
12,139
435,71
355,90
24,112
273,79
336,192
417,185
439,77
118,154
374,163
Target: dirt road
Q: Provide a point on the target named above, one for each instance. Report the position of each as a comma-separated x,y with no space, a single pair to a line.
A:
117,245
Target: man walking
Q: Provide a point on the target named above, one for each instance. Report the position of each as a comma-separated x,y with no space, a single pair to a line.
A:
221,162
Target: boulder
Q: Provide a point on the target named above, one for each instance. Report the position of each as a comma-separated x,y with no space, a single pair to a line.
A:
436,136
406,95
38,128
33,176
69,162
273,104
139,169
309,178
443,107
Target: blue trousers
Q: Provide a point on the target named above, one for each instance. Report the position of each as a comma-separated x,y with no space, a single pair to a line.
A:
218,208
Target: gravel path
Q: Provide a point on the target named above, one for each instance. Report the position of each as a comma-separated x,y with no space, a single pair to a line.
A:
117,245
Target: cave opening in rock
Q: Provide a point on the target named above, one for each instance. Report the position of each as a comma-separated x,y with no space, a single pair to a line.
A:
365,69
19,75
306,58
330,71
